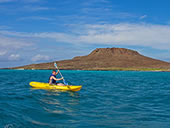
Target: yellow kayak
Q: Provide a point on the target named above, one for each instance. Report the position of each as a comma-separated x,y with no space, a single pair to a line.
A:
47,86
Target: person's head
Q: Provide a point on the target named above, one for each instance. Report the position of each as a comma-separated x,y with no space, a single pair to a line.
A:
54,72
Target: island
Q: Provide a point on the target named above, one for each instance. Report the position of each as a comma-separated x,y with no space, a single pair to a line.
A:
106,59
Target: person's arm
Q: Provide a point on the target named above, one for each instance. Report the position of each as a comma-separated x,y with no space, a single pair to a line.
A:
57,72
57,79
50,81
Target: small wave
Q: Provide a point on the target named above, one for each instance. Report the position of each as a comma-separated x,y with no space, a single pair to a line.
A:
39,123
9,126
53,111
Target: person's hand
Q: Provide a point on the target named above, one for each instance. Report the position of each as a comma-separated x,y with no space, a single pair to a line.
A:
62,78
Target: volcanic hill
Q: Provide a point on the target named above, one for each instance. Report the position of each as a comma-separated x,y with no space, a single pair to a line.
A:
106,59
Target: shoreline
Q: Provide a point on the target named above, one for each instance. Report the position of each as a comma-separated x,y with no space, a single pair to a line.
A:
102,69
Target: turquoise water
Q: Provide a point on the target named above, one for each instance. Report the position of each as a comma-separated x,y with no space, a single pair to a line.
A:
107,99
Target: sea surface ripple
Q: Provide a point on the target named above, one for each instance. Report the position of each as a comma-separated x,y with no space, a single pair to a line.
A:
121,99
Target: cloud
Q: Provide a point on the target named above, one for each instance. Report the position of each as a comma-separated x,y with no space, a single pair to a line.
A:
40,58
95,2
11,48
143,16
20,6
25,1
147,35
6,56
36,18
35,8
14,57
5,1
4,27
13,43
2,52
156,36
30,1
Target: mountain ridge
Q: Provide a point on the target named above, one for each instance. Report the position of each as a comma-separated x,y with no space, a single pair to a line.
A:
106,59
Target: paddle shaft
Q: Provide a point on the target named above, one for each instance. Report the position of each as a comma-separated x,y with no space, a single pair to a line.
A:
60,73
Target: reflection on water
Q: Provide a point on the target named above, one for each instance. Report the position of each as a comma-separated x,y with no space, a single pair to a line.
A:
60,102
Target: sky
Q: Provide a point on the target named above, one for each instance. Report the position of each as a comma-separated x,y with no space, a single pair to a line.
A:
34,31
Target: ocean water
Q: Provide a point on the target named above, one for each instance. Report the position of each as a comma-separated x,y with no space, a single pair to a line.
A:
120,99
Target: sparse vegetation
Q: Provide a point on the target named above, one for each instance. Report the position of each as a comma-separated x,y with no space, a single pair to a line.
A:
107,59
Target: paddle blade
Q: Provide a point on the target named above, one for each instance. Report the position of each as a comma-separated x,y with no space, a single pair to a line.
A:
65,83
55,64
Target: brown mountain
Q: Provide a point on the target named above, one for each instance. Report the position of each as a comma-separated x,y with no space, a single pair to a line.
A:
106,59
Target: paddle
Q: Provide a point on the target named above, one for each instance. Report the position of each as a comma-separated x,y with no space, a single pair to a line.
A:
65,83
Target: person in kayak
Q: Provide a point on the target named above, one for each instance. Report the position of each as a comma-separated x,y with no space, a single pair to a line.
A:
53,79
